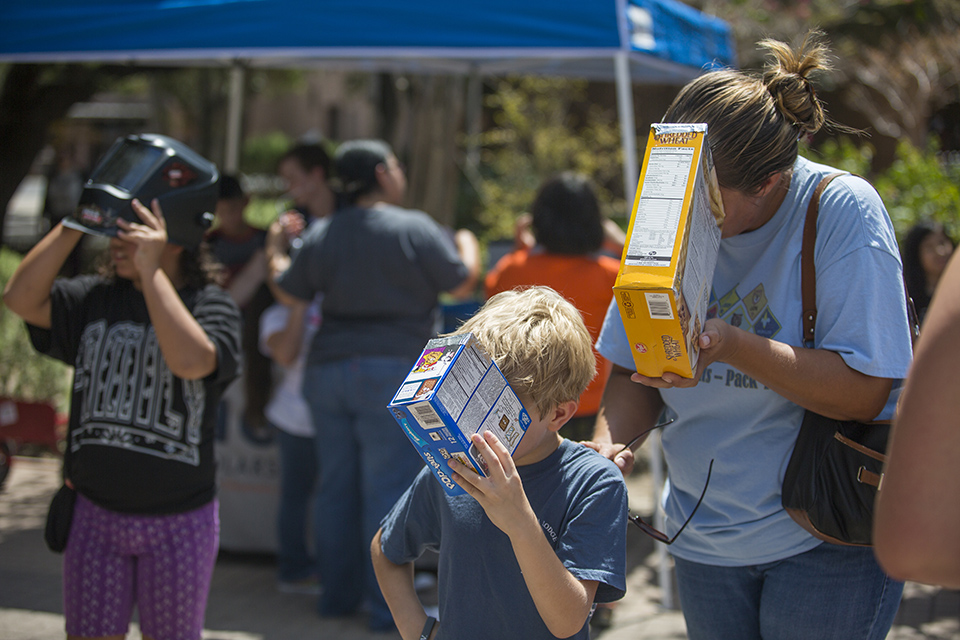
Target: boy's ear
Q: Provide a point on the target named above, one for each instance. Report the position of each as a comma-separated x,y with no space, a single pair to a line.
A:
562,414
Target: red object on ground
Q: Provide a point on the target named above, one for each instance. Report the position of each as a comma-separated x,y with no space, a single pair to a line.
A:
30,422
23,422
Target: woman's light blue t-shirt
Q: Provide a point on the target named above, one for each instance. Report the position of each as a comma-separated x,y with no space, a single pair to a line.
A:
746,428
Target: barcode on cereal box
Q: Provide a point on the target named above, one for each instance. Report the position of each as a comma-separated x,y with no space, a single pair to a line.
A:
425,415
659,306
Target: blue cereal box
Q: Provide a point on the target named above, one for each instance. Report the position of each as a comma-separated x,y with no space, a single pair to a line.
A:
454,391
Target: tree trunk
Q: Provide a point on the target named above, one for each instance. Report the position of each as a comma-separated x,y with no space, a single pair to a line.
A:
437,125
32,97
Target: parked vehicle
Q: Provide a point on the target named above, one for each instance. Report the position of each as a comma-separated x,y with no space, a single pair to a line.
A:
25,424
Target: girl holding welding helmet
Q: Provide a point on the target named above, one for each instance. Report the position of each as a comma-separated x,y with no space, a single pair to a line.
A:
153,344
745,569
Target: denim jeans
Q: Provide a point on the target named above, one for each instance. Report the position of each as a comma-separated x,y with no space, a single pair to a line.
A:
298,479
366,463
828,593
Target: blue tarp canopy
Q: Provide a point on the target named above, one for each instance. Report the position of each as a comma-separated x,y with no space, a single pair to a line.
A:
666,40
645,41
628,41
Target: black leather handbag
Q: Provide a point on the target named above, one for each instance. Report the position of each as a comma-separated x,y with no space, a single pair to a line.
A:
59,518
833,477
60,513
836,468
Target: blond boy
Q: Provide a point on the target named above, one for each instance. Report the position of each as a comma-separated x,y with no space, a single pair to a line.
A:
532,546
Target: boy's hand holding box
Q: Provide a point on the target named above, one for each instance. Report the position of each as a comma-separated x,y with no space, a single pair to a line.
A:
453,391
666,271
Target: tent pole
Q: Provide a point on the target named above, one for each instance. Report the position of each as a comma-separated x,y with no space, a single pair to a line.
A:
630,177
474,114
231,155
628,133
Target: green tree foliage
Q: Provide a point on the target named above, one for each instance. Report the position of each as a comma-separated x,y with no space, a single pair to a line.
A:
897,62
843,154
195,101
919,185
25,374
261,153
541,127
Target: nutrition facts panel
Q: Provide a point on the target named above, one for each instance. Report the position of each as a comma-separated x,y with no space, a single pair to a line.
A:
660,207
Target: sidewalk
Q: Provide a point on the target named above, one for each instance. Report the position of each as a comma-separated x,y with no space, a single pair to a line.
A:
245,604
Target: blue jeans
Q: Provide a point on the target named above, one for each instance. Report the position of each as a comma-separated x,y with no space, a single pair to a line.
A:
829,592
366,463
298,479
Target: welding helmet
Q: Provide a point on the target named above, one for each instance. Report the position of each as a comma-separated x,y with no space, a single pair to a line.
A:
145,167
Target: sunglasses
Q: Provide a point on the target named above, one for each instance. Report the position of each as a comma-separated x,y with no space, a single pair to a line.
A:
654,533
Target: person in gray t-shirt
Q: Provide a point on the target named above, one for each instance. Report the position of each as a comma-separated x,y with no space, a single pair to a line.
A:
380,268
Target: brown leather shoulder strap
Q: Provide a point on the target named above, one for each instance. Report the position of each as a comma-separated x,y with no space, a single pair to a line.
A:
808,271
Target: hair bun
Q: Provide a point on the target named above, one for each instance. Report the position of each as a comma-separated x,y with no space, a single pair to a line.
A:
787,80
797,100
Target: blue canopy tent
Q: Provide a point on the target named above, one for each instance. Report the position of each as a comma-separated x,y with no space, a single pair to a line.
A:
642,41
626,41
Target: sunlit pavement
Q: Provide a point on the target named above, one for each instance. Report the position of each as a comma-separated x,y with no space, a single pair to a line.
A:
246,605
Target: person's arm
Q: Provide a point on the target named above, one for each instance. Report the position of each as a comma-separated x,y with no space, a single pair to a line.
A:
918,518
285,344
396,584
815,379
246,282
626,410
523,237
292,276
613,237
186,348
468,249
27,293
276,266
562,600
280,235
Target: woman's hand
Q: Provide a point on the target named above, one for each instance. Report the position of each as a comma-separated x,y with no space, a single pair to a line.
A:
816,379
149,238
621,455
718,343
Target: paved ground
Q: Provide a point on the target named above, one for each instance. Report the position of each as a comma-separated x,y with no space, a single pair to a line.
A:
245,605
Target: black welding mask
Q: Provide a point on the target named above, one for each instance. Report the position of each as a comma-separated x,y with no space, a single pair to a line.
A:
145,167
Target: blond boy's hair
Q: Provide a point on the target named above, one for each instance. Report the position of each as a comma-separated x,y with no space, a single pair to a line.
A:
540,343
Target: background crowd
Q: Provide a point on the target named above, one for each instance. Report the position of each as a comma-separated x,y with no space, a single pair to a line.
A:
563,242
329,307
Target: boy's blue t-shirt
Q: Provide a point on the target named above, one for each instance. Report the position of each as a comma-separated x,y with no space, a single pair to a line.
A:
748,429
581,502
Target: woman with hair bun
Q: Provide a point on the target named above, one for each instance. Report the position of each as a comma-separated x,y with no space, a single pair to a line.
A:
380,268
744,568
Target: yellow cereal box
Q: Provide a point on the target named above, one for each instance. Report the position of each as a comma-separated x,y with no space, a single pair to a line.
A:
663,287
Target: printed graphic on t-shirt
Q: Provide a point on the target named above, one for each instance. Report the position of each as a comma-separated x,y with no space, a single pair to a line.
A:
766,325
131,400
751,313
726,302
755,302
